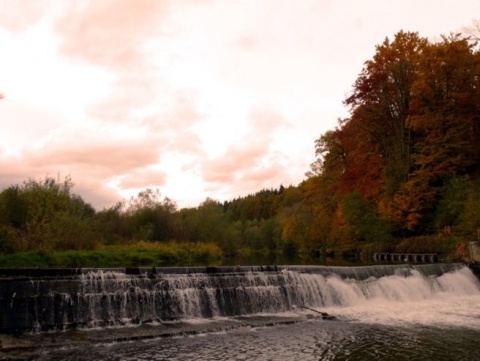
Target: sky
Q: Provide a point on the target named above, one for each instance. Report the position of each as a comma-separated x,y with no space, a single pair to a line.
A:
197,98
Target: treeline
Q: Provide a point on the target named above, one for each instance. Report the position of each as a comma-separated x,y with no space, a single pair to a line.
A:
403,170
45,215
401,173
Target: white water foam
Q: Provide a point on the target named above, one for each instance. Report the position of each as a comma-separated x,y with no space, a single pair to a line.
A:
450,300
386,294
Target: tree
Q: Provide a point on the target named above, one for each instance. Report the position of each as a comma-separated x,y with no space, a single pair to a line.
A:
362,221
446,108
331,155
381,99
45,214
453,197
45,198
445,116
473,31
468,221
111,226
13,207
150,217
211,221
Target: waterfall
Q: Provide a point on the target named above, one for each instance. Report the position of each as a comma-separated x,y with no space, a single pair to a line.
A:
98,298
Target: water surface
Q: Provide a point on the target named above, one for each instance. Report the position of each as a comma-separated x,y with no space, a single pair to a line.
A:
309,340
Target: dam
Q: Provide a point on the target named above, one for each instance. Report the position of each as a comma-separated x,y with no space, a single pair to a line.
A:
38,300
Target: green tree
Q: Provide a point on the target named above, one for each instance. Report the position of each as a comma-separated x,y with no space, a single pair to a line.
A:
111,226
453,197
45,214
363,222
150,217
468,222
13,207
44,198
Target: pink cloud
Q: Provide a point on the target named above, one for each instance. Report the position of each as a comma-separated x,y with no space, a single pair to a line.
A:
111,32
175,136
129,92
186,141
252,165
91,187
13,171
183,111
246,42
235,162
143,178
266,120
17,15
176,124
95,192
251,180
117,157
127,153
25,123
91,166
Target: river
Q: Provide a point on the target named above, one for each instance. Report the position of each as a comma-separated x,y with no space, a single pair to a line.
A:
386,318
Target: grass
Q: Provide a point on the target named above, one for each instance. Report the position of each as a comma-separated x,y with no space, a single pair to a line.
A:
140,254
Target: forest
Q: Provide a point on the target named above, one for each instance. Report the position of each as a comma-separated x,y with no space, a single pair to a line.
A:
401,173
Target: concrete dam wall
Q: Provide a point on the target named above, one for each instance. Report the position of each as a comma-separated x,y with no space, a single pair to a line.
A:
36,300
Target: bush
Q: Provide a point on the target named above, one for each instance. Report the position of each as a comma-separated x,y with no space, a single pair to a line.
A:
7,240
140,254
427,244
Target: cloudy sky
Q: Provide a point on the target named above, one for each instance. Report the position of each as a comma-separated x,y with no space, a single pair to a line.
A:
199,98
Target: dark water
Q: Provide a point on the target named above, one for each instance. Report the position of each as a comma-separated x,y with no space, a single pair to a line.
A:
309,340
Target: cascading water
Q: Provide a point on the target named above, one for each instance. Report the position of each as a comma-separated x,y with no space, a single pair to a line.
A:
93,298
451,299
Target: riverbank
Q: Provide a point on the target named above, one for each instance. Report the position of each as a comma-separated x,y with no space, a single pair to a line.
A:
139,254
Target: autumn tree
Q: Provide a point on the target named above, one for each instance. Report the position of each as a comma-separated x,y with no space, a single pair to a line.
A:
381,98
445,116
413,127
